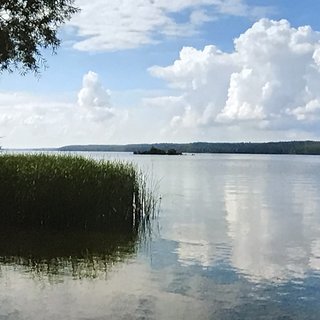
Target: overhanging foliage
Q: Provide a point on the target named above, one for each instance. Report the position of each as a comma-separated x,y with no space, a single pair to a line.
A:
26,27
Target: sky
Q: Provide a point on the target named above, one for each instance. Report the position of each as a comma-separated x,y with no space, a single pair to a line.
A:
150,71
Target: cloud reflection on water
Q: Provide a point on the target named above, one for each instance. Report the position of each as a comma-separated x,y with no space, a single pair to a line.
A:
272,221
257,214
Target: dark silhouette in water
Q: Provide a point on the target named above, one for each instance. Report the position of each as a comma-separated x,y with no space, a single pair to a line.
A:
157,151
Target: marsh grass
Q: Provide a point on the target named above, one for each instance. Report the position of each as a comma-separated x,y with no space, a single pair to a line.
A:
58,192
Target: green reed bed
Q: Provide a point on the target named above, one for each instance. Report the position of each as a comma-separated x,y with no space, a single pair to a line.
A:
71,192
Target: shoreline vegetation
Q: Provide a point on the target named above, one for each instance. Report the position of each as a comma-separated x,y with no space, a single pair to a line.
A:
286,147
55,192
156,151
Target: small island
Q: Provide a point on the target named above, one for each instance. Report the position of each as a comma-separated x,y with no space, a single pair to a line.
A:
156,151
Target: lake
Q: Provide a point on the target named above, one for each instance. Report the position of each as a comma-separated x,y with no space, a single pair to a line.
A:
237,237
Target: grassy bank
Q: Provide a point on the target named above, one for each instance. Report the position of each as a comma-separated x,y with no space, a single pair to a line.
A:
73,193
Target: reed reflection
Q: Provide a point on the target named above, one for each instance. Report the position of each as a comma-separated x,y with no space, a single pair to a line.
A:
57,255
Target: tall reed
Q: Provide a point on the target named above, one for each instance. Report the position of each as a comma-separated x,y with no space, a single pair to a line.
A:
71,192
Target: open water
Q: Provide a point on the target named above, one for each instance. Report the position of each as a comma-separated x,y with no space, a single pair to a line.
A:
237,237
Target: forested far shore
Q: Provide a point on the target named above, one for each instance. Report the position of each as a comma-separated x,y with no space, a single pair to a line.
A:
287,147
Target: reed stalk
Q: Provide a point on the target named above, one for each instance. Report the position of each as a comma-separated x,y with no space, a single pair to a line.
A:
72,193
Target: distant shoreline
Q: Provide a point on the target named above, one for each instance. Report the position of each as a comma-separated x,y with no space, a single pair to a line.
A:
288,147
282,147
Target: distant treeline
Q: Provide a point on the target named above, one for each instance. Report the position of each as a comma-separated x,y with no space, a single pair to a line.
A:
288,147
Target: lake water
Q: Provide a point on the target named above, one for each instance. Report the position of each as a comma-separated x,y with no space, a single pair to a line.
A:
238,237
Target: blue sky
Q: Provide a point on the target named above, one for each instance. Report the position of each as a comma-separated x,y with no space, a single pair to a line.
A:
121,75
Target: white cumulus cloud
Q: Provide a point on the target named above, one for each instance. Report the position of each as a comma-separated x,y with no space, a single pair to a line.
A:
270,81
28,120
94,99
92,93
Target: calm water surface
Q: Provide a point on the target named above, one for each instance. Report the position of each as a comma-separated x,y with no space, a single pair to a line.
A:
238,237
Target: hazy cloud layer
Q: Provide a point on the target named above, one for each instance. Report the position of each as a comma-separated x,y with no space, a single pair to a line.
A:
269,82
124,24
28,120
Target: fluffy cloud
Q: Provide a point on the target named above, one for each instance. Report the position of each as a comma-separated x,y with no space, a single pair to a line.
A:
270,81
92,94
94,99
28,120
129,24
